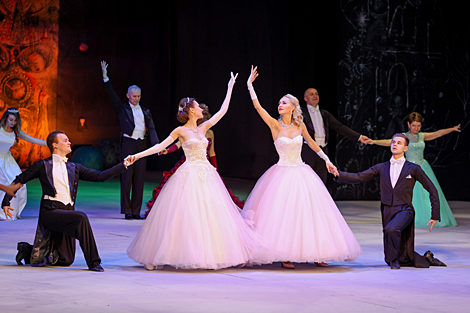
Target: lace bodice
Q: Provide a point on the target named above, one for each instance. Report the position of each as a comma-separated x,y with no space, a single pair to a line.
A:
195,149
289,150
416,147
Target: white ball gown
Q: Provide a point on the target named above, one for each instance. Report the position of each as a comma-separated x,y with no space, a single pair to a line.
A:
9,169
194,223
292,209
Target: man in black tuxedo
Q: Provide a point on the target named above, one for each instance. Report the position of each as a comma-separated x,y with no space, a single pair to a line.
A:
397,180
59,224
136,128
319,122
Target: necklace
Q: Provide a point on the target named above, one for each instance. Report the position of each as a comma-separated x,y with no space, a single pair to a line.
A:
194,131
284,125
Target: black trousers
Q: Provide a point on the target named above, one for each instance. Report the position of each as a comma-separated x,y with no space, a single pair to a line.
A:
398,236
132,180
66,225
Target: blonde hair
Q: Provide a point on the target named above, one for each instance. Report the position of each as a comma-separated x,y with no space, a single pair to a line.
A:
297,118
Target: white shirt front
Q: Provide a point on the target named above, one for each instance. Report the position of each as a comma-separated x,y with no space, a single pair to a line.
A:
318,125
139,123
60,179
396,166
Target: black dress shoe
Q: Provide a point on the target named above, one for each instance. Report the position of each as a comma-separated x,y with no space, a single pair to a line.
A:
137,217
96,267
432,260
395,265
24,252
128,217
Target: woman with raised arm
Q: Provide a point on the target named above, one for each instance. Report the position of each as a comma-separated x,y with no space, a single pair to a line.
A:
415,154
289,205
194,222
10,132
210,156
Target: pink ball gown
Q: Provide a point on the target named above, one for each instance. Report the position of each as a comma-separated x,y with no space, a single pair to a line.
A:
292,209
194,223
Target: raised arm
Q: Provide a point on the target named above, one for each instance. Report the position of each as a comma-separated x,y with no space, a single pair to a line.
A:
271,122
224,108
30,139
112,95
440,133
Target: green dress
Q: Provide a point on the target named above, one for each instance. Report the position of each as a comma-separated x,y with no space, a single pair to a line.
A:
421,202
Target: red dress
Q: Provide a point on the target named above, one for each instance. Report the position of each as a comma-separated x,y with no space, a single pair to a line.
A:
168,174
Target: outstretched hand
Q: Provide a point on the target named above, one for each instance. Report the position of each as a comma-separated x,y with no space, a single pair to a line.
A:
365,140
332,169
432,223
253,75
232,80
104,69
129,160
457,128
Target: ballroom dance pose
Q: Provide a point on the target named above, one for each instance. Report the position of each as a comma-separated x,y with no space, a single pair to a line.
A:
397,179
194,223
415,154
137,129
10,132
59,224
319,122
210,156
290,206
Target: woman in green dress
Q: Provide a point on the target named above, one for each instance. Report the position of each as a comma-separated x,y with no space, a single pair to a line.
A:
415,154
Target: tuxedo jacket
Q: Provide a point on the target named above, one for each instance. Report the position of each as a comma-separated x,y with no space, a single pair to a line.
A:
43,171
329,122
126,117
402,194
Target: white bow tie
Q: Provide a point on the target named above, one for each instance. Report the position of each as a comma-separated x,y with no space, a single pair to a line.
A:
399,161
58,158
313,109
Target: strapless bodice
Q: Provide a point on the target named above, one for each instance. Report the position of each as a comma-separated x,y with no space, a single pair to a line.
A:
415,153
195,149
289,150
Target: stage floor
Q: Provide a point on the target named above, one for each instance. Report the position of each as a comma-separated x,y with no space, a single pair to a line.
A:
365,285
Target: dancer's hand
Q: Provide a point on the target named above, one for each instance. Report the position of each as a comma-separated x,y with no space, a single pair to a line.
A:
163,152
365,140
7,209
104,69
432,223
11,189
457,128
232,80
332,169
252,77
129,160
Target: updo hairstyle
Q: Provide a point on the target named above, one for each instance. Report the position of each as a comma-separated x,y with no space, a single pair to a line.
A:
183,109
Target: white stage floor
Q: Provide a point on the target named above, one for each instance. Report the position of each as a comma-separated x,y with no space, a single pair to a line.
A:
365,285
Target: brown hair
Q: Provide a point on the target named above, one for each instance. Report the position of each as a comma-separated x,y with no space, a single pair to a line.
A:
407,140
52,138
415,117
205,114
183,109
17,127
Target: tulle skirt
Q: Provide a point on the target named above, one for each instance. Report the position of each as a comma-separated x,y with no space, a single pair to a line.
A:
292,209
9,169
195,224
422,204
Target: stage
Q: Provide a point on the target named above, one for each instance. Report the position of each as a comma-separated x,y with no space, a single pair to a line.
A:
365,285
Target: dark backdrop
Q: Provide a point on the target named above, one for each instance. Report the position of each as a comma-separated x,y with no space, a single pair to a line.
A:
177,49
